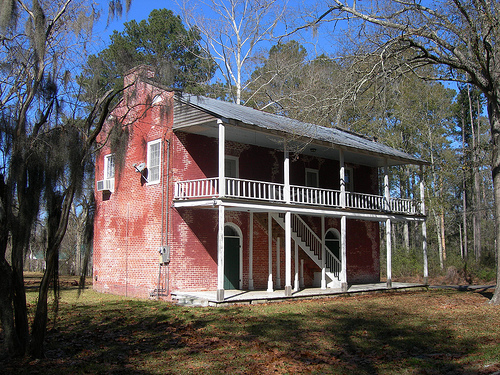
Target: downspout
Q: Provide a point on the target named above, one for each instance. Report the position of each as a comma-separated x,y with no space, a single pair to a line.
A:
165,193
167,211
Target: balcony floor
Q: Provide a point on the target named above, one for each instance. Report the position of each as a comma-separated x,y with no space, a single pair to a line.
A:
235,297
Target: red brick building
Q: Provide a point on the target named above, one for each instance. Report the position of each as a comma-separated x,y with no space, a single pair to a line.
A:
236,198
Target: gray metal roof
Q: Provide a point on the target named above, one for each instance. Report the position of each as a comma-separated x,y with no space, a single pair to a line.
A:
275,123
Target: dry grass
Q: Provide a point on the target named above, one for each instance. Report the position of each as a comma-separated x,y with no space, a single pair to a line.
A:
426,332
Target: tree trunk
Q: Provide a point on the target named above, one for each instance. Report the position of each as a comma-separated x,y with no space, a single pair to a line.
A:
494,118
59,209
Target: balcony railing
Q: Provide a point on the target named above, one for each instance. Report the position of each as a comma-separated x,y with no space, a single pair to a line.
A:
275,192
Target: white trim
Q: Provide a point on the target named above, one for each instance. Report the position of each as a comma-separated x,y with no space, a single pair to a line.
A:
150,179
107,162
348,171
315,172
250,253
237,162
240,237
244,206
336,233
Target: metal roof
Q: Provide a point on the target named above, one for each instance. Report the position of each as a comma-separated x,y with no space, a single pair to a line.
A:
230,112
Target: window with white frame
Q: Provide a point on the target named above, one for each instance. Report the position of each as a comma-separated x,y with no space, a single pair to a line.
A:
231,166
348,179
154,161
312,177
109,166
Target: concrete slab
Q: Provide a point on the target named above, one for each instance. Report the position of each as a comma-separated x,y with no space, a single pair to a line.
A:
231,297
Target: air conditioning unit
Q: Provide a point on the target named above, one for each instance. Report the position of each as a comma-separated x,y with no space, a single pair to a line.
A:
106,185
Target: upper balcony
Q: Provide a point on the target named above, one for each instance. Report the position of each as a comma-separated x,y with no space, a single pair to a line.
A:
261,191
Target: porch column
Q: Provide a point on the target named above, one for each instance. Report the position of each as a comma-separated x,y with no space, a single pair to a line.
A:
323,254
424,227
288,226
388,229
286,172
278,263
343,226
220,237
296,285
250,254
301,273
270,252
222,156
288,254
388,240
343,251
220,256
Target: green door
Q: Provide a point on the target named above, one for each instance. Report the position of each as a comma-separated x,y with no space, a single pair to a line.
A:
231,259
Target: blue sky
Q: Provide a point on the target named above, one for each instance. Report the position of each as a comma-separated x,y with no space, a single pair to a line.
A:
140,10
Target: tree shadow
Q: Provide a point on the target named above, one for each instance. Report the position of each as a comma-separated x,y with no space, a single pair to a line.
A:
321,337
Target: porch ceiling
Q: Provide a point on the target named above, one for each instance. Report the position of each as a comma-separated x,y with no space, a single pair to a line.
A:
242,134
249,126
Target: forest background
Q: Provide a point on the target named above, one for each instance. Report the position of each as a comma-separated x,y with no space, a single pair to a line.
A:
59,82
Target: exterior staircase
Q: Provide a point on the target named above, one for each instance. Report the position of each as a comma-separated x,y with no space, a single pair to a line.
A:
313,246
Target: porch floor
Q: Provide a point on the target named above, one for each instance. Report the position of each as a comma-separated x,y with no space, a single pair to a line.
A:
247,297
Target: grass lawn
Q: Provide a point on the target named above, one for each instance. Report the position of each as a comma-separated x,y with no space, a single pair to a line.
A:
420,332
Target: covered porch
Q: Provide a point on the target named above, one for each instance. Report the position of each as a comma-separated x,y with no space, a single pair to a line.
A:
252,297
284,202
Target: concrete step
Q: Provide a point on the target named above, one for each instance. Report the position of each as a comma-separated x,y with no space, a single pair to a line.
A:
185,299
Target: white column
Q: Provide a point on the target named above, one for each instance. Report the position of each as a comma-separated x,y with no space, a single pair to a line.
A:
302,273
342,179
220,237
424,229
343,252
288,226
296,285
250,254
388,240
288,254
220,256
387,192
286,173
278,263
270,252
323,254
222,156
343,226
388,228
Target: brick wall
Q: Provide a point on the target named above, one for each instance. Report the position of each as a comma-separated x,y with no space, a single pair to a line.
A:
131,222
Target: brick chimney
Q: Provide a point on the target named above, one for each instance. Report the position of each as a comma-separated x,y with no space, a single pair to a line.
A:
139,73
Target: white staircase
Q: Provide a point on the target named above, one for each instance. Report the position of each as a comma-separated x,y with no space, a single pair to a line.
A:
312,245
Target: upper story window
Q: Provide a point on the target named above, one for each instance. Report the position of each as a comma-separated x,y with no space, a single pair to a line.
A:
231,167
109,167
154,161
348,179
312,178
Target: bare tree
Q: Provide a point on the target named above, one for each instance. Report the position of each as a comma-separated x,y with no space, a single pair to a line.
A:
232,35
459,36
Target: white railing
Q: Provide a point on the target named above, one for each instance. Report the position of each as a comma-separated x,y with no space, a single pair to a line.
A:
311,239
309,195
250,189
406,206
365,201
202,188
274,192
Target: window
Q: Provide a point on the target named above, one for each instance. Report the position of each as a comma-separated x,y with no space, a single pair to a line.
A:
312,177
348,179
154,161
109,167
332,242
231,166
